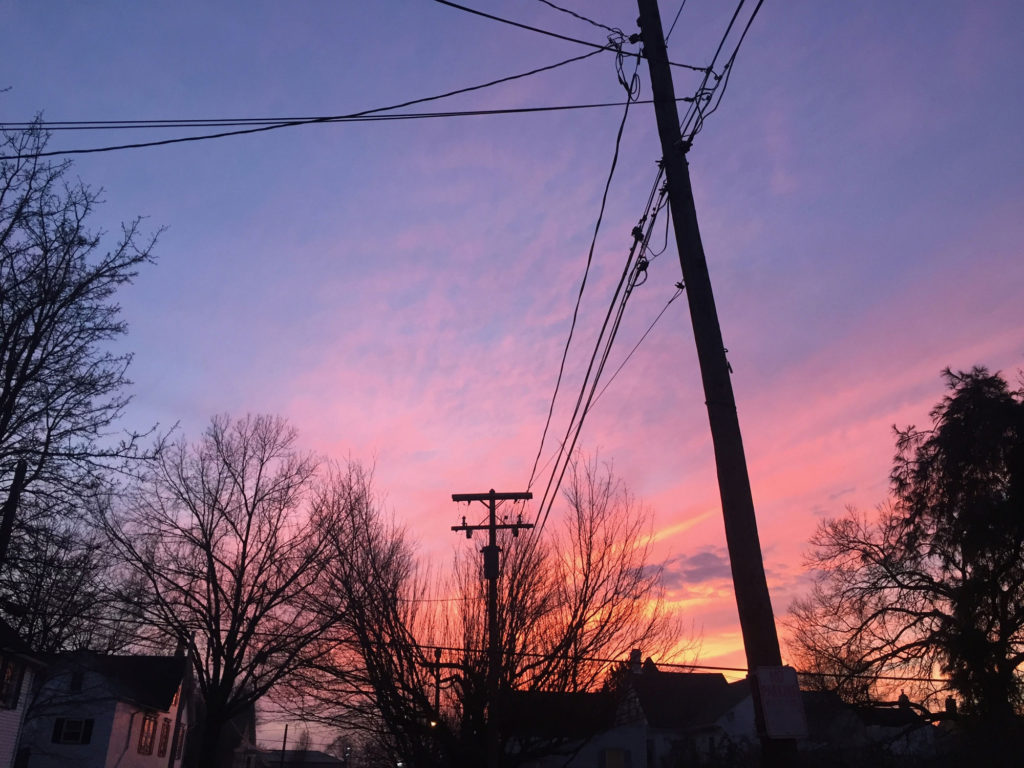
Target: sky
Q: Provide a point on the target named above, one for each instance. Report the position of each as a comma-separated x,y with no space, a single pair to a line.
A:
402,291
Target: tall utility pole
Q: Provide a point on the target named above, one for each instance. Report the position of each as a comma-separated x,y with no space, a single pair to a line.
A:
757,623
491,574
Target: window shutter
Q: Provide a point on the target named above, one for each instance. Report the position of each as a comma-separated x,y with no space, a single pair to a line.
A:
17,687
58,728
87,731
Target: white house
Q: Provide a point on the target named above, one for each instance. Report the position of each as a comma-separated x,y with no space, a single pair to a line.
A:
18,667
98,711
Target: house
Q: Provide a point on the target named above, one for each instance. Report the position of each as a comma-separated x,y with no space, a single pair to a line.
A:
18,668
544,728
100,711
899,729
652,717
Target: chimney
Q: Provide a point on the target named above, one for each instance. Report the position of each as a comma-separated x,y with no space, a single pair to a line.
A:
635,658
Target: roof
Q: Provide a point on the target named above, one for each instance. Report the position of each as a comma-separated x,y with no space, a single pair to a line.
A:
150,681
683,700
890,717
546,714
823,709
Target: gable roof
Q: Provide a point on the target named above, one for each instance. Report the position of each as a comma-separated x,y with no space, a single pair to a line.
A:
149,681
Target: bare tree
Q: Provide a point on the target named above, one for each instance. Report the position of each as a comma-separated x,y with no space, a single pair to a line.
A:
230,535
410,669
71,591
62,388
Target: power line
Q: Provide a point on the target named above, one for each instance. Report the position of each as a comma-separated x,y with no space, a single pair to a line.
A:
583,285
702,93
423,647
581,17
91,125
676,295
727,70
606,338
578,41
696,115
676,665
621,366
669,34
311,121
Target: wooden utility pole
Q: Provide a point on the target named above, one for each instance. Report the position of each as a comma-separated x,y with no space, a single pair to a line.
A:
757,623
491,574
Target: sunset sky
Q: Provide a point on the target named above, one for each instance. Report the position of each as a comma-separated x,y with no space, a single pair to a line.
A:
402,291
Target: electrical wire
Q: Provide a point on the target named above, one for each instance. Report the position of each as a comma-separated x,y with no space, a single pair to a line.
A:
636,346
597,24
102,125
556,35
583,283
703,94
673,26
292,123
606,337
728,68
428,647
676,295
697,113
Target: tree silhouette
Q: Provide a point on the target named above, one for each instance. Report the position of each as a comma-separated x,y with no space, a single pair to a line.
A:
935,583
63,387
410,669
230,536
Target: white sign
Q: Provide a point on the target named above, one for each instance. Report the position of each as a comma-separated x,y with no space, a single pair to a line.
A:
781,705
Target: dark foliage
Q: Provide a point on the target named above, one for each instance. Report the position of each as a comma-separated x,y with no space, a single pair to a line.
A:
934,584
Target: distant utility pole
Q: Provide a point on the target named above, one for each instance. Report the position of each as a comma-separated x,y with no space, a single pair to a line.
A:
491,574
757,623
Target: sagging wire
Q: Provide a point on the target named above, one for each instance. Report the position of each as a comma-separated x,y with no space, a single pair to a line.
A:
634,274
581,17
631,86
702,107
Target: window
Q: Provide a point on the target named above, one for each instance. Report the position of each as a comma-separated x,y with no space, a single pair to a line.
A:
67,730
179,741
11,673
165,736
147,735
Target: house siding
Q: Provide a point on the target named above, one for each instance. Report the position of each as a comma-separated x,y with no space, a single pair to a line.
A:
117,726
126,731
11,721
